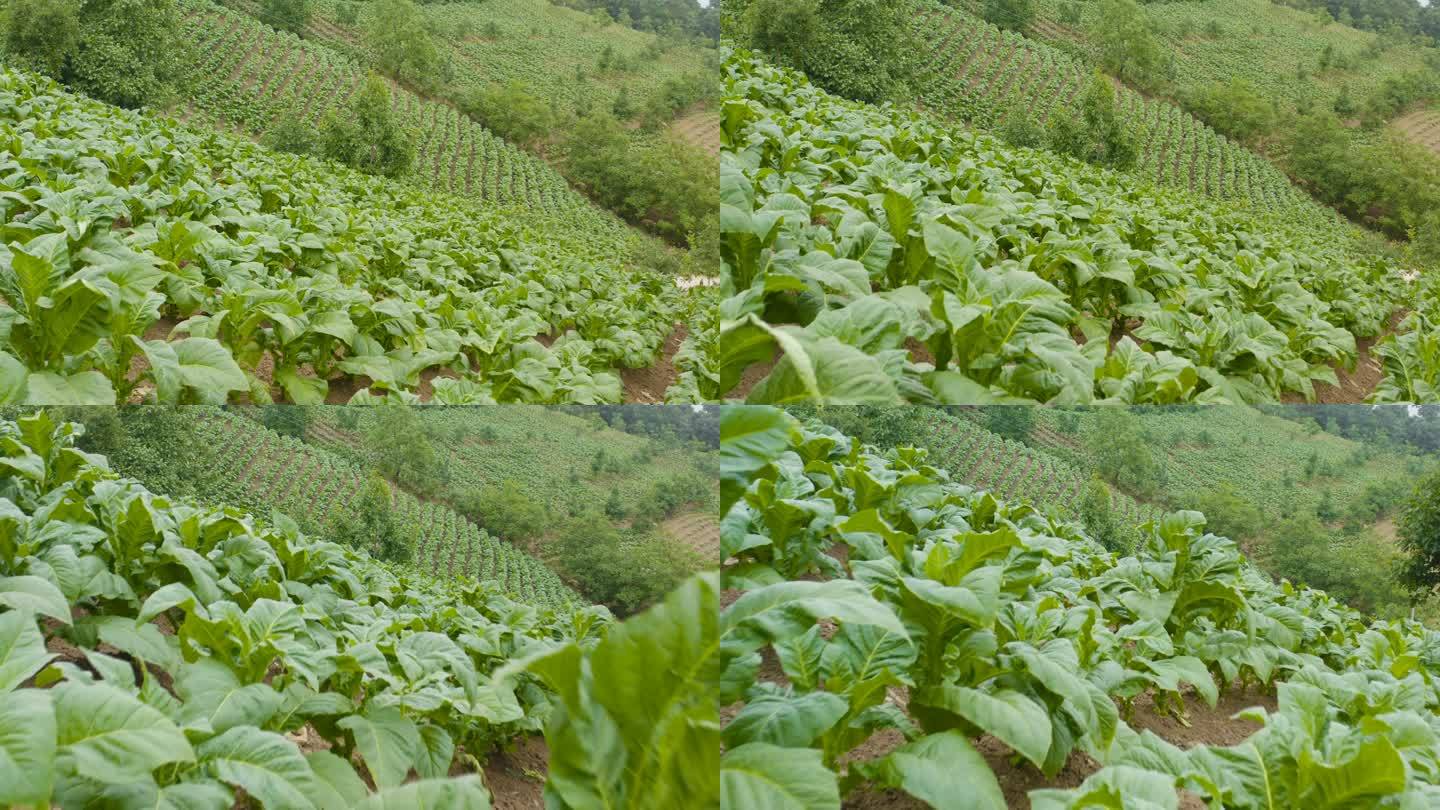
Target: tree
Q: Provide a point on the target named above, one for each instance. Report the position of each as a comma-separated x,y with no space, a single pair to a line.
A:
291,15
1127,47
506,511
292,135
1419,534
43,35
1098,517
368,138
1011,421
126,52
402,46
510,110
1096,134
287,420
1016,15
866,50
1236,108
370,524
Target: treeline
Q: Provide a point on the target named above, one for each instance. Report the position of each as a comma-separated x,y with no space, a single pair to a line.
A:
1408,16
660,16
685,424
1414,427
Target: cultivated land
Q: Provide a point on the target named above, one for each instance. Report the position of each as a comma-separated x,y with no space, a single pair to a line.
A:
988,646
265,276
980,75
925,263
552,458
186,654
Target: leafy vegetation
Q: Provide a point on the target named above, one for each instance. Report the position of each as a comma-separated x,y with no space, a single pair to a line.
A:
897,602
144,259
1024,278
197,644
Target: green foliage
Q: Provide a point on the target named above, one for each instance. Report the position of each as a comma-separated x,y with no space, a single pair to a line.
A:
1122,454
287,420
126,52
1227,512
1097,134
402,46
291,15
1015,15
624,570
1236,108
508,511
955,612
1014,422
859,49
1128,48
366,137
268,632
371,526
846,279
1098,517
292,135
1419,533
510,110
664,184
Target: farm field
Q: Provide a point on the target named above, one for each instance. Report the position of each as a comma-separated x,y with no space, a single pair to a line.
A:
934,265
1014,470
567,464
253,275
991,646
981,75
187,654
1262,42
254,77
1279,465
1421,127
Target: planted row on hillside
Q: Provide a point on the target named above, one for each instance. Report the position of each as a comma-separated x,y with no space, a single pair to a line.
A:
910,615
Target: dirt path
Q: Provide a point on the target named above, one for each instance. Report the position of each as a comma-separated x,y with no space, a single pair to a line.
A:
647,386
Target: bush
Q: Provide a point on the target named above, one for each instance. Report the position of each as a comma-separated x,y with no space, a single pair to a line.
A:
1237,108
290,15
127,52
1127,47
1227,513
860,49
370,523
509,110
401,44
287,420
1014,422
507,512
1096,134
1098,517
292,135
1015,15
367,138
624,571
1022,128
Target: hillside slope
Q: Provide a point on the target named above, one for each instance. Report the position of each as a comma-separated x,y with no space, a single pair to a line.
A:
982,75
936,265
294,278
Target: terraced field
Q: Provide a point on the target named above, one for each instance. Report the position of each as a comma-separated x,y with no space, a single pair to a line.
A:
983,75
1422,127
698,530
268,471
1014,471
252,77
700,127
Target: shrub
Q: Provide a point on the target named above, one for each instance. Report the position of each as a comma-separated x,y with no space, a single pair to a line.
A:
367,138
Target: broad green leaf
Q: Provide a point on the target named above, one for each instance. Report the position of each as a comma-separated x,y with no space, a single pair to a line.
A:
27,747
266,765
464,793
943,770
22,649
760,776
109,735
389,742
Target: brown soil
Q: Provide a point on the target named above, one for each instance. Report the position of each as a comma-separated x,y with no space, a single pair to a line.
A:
700,126
698,530
646,386
1355,386
1421,127
516,778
